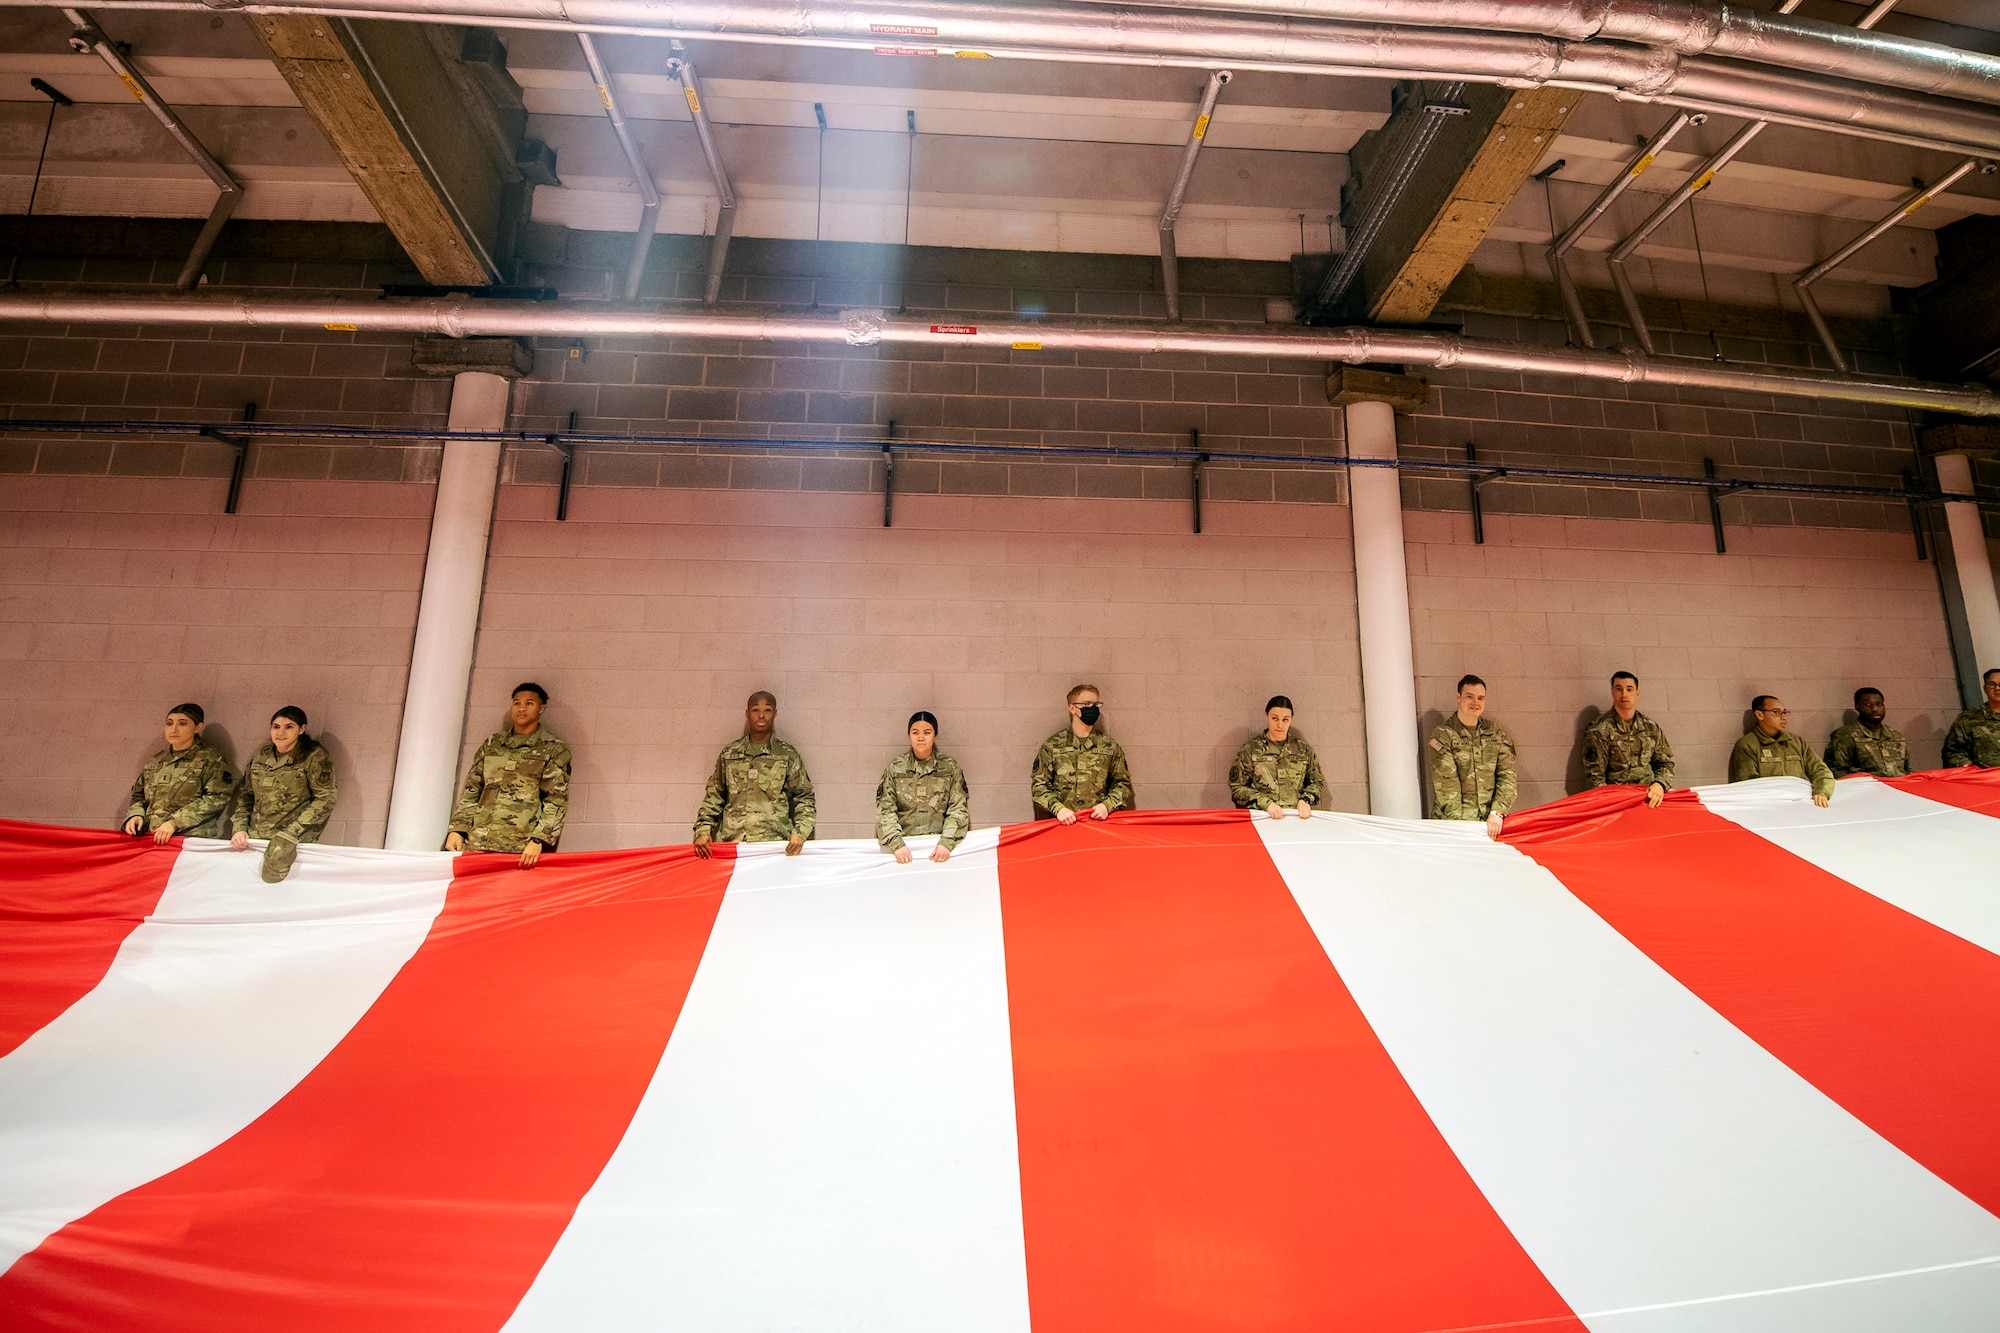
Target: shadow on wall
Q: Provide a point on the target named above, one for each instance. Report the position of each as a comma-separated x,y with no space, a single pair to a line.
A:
1573,777
1429,722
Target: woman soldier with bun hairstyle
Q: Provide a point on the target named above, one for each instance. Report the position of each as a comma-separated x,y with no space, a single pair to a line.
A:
286,795
922,791
184,787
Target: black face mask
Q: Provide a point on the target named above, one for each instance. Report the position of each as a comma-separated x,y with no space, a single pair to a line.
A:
1088,712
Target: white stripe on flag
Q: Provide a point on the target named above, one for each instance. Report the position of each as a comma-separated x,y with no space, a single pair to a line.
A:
214,1007
1866,836
831,1129
1664,1172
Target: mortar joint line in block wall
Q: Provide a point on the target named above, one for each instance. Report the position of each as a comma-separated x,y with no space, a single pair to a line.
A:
569,442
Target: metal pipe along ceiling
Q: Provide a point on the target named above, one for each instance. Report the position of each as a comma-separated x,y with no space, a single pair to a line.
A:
459,318
1090,32
1687,27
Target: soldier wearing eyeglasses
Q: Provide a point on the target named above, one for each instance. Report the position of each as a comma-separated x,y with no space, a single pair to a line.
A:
1767,750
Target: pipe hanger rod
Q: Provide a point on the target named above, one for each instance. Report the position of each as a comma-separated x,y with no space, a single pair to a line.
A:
1904,207
1579,322
680,67
649,193
89,38
1170,275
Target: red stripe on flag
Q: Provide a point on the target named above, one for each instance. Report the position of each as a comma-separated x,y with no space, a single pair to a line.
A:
418,1178
1974,789
1211,1134
67,902
1891,1017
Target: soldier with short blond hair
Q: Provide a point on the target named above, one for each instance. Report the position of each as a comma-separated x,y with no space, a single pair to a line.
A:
1080,769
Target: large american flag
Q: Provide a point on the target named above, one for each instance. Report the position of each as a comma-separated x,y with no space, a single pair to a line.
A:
1730,1064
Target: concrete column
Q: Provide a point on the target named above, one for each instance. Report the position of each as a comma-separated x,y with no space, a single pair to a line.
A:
447,618
1970,557
1382,596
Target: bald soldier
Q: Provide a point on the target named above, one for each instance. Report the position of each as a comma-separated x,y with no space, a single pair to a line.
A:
1868,744
1626,747
1472,762
1767,750
1975,737
760,790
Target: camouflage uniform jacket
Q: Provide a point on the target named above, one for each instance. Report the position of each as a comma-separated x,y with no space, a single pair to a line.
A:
516,791
286,793
191,787
758,793
919,796
1860,748
1268,772
1075,772
1782,756
1472,770
1634,752
1973,739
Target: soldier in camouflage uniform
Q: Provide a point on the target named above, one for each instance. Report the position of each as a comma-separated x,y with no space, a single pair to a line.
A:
1277,769
1866,745
1472,762
760,790
286,795
1626,747
182,790
1975,737
516,792
922,792
1080,768
1767,750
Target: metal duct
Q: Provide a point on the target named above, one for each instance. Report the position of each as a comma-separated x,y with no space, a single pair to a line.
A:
1579,323
1170,268
1687,27
682,68
1089,32
89,38
456,317
1904,207
649,194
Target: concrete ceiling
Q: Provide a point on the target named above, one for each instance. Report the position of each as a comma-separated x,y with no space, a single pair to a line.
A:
1007,154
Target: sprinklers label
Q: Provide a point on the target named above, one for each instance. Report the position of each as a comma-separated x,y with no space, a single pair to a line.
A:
966,330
